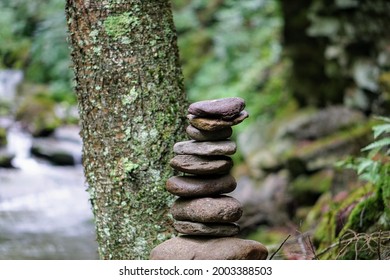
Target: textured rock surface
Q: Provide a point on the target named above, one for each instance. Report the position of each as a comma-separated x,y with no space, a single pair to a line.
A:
198,248
204,135
215,124
202,165
211,229
219,209
225,108
216,148
193,186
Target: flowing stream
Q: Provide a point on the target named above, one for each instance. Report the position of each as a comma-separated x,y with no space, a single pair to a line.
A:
44,209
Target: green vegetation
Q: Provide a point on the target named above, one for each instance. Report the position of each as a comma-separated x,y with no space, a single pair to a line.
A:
33,39
334,54
363,232
233,48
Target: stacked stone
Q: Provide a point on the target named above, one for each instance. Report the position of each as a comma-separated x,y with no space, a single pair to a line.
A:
204,215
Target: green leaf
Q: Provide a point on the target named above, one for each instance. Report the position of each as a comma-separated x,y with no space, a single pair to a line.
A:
377,144
364,165
382,118
380,129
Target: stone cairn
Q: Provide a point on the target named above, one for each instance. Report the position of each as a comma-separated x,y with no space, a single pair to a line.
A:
204,216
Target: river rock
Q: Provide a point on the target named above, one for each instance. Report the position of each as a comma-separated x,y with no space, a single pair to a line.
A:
6,158
216,148
225,108
201,248
219,209
201,165
204,135
215,124
210,229
305,125
57,151
193,186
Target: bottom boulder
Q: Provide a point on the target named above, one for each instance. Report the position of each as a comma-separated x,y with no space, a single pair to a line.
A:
206,248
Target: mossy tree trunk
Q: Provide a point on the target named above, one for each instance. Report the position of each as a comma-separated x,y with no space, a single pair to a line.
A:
131,103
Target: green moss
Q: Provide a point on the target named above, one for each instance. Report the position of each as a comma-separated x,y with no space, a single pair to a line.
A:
3,136
117,26
37,113
365,214
328,232
307,189
357,133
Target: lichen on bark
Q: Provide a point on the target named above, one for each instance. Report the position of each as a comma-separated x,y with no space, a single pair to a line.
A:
131,103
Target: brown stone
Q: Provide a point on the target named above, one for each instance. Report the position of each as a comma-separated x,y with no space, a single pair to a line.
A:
202,165
209,229
216,148
215,124
225,108
204,135
206,248
192,186
219,209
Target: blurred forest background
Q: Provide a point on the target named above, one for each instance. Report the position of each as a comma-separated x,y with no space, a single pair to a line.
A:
315,76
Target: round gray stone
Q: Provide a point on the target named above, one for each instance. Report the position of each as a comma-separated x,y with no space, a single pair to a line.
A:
219,209
215,124
206,248
225,108
204,135
202,165
195,186
209,229
216,148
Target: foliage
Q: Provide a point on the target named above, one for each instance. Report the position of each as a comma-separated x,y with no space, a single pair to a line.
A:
368,223
372,167
232,48
33,36
228,48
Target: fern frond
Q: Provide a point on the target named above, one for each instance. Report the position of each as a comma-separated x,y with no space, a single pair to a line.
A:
377,144
380,129
382,118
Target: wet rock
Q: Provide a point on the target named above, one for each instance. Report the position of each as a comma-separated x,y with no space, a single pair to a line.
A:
204,135
37,115
264,203
321,123
220,209
225,108
6,158
305,190
215,124
198,248
195,186
58,152
216,148
202,165
210,229
311,156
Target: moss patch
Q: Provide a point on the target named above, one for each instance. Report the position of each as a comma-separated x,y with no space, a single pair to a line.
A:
119,25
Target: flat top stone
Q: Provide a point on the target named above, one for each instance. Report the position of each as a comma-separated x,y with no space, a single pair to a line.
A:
209,229
195,186
210,124
218,209
202,164
206,248
225,108
204,135
215,148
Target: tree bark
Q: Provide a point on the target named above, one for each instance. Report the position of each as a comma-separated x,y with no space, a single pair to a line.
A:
131,103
